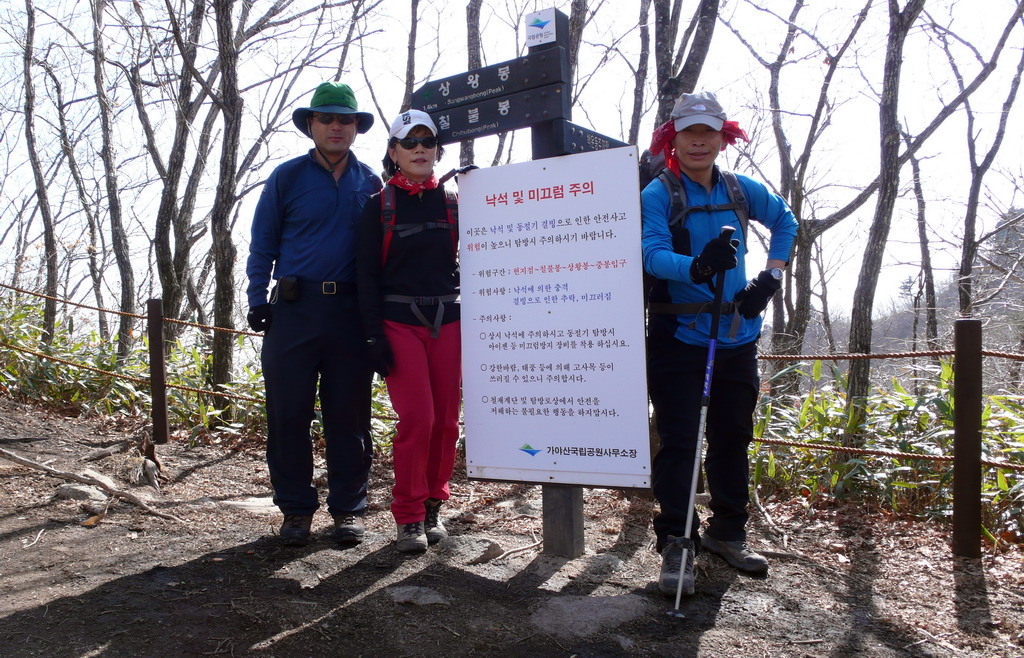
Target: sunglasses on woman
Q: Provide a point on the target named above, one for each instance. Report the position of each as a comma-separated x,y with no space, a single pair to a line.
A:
409,143
328,119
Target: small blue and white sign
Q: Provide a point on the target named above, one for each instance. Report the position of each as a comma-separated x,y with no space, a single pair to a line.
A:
540,27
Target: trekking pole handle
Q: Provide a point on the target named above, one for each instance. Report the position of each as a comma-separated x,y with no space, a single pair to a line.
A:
716,313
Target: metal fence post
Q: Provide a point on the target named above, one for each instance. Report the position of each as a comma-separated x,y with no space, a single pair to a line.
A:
967,380
157,375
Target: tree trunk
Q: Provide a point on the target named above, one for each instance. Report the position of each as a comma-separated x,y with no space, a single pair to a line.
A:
931,324
673,75
641,72
92,248
224,202
118,236
410,62
900,22
49,235
473,51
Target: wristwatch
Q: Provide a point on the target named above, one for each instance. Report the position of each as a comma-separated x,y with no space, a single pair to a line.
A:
372,340
776,273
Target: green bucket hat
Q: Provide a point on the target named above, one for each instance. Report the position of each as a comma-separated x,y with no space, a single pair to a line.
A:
331,98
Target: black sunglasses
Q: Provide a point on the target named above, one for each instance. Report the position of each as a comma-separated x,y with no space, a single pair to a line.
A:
328,119
409,143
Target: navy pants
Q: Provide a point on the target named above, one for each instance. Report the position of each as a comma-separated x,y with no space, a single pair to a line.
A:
317,339
675,373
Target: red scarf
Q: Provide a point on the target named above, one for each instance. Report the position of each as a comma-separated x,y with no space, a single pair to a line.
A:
661,140
400,181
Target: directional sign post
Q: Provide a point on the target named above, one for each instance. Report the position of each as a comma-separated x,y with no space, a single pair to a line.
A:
531,91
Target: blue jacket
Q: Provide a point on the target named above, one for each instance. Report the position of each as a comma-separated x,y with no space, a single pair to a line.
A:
306,225
662,262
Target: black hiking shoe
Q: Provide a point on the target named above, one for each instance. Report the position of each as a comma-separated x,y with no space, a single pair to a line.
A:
671,566
349,528
737,553
295,529
434,528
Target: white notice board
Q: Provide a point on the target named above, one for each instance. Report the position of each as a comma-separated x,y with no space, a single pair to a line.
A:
554,371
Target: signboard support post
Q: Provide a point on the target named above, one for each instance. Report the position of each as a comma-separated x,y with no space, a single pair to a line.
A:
529,91
562,505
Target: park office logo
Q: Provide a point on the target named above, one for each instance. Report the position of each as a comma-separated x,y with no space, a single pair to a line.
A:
530,450
540,27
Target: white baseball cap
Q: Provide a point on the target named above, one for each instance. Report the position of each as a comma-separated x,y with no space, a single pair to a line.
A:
406,121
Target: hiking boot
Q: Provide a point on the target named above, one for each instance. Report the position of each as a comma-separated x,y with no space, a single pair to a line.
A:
349,528
434,528
411,538
295,529
671,561
737,554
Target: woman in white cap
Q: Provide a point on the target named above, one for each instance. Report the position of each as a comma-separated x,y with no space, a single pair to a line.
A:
408,296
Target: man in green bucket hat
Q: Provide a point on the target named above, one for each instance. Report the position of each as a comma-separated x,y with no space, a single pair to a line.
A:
303,248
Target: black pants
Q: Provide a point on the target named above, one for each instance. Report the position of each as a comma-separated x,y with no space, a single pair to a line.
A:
675,373
317,337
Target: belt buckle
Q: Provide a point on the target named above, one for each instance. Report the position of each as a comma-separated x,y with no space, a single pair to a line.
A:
425,301
329,288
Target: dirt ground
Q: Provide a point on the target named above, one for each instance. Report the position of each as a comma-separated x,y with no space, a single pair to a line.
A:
843,582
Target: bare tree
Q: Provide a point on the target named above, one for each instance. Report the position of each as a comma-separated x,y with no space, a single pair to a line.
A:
640,72
410,62
119,236
900,22
969,248
674,74
50,241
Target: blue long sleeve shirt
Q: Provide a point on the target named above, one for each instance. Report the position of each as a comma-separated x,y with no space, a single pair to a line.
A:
306,224
662,262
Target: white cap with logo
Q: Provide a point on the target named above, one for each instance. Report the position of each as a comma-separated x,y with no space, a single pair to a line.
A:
406,121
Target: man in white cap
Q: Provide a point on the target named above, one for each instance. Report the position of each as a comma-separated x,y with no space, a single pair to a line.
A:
684,249
304,236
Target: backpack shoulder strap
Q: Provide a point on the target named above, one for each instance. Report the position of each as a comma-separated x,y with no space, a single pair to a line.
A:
676,196
677,212
451,202
387,218
738,199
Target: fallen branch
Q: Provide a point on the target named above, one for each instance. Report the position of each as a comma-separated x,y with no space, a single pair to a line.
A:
124,446
84,479
513,551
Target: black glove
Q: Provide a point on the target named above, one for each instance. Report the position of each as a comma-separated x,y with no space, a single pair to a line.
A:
260,317
718,255
754,298
378,351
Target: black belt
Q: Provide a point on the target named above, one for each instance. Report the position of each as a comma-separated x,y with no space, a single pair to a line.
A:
696,308
415,303
688,309
328,287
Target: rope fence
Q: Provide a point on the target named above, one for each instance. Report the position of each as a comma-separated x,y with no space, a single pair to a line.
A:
967,379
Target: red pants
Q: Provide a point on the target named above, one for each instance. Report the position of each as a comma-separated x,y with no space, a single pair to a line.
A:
424,386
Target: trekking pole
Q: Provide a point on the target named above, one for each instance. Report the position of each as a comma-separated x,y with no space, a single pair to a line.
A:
705,401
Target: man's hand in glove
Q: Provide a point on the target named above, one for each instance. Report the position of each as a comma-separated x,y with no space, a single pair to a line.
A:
718,255
754,298
378,350
260,317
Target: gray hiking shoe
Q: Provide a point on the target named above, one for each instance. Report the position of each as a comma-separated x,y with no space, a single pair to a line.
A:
411,538
737,553
349,528
671,566
434,528
295,529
